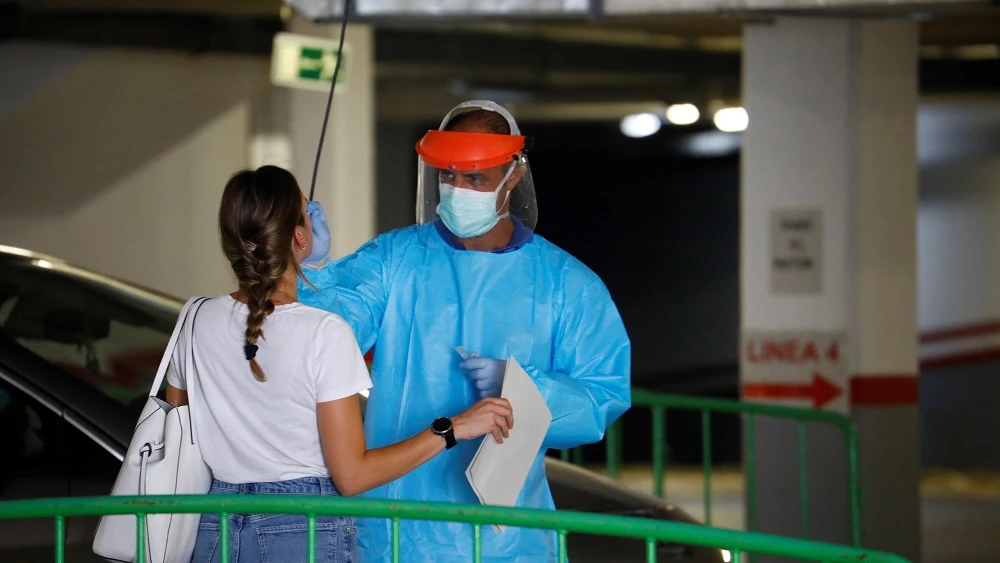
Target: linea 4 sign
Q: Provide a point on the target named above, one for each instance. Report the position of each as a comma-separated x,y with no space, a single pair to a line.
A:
795,368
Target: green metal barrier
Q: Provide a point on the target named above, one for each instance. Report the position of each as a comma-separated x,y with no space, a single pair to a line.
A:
659,403
564,523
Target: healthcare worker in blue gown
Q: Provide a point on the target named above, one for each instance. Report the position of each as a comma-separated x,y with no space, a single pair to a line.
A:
471,273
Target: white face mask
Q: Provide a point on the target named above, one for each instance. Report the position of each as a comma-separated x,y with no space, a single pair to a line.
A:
470,213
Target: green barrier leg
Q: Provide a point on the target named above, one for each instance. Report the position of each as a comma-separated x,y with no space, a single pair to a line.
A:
311,541
60,539
854,481
614,450
140,538
706,462
224,535
477,543
803,480
395,540
750,469
659,439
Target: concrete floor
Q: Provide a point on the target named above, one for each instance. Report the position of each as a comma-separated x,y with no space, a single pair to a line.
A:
961,511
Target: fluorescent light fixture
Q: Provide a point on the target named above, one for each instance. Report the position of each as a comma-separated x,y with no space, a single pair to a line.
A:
640,125
731,120
683,114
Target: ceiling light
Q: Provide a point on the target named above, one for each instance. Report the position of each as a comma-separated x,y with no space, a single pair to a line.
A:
683,114
640,125
731,120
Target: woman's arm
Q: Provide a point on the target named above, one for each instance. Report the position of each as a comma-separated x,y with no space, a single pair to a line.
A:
176,397
355,469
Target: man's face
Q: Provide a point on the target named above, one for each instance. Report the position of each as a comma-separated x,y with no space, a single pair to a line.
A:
479,180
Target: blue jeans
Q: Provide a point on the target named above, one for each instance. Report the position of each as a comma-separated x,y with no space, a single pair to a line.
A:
277,538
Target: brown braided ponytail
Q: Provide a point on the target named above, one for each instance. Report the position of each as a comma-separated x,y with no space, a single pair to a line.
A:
257,218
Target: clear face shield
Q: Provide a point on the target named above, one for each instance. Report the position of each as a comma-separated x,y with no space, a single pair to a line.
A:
471,181
471,202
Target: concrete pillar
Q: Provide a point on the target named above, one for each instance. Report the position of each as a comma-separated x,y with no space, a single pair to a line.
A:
828,274
345,183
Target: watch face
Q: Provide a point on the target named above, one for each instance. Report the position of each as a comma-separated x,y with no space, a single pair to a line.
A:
441,425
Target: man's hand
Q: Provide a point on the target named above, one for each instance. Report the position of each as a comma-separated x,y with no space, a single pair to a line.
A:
320,231
486,374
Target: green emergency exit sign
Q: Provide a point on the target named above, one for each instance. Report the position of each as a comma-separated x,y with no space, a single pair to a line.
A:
302,61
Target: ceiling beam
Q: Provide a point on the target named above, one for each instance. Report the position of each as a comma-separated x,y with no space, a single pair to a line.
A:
457,63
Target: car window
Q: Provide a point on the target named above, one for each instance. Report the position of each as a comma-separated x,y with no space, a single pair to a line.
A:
93,332
31,439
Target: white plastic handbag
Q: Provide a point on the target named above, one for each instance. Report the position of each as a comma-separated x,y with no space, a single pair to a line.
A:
162,459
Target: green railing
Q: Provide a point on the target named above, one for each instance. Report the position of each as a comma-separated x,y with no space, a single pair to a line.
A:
659,403
564,523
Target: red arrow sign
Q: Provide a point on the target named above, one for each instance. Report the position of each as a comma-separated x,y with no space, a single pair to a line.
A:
821,391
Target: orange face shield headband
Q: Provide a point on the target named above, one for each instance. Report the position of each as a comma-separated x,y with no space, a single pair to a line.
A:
453,150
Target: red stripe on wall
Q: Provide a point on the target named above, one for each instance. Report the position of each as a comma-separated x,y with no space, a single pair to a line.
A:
880,390
959,332
960,358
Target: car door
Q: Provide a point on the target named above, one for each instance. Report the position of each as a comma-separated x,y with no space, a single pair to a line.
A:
76,362
45,456
31,467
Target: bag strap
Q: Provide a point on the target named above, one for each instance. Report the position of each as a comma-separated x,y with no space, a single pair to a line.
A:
161,371
190,371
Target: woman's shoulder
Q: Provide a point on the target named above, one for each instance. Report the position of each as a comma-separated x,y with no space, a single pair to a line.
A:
218,309
298,316
313,318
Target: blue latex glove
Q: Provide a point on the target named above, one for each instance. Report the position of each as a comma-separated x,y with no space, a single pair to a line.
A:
486,374
321,233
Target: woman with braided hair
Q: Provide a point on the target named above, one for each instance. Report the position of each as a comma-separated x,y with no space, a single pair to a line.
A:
274,391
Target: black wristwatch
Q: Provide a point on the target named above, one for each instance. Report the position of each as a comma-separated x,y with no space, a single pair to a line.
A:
442,427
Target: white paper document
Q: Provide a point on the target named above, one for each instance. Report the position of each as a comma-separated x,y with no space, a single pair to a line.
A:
498,471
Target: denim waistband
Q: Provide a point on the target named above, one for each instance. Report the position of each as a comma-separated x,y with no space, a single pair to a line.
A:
302,486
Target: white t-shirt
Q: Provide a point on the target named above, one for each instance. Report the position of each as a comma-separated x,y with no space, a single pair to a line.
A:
251,431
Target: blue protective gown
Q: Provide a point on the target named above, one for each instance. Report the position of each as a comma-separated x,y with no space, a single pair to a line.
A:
415,297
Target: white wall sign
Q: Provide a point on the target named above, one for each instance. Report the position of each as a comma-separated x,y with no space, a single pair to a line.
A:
303,61
796,251
795,368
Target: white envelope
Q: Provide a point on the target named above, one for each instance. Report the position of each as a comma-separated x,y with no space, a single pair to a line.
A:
498,471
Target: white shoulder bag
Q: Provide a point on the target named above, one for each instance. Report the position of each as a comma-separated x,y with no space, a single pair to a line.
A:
162,459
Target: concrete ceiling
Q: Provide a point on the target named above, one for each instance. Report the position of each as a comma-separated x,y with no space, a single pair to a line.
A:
943,24
597,68
970,23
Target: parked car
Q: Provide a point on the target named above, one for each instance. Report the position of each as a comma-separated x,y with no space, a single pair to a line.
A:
78,352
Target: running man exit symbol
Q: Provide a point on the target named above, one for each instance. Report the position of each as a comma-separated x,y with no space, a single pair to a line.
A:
318,64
